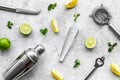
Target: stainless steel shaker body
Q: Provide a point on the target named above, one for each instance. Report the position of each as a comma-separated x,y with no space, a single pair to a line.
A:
23,63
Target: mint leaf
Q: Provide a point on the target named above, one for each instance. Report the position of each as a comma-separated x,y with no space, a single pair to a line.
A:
51,6
111,46
44,31
77,63
76,16
115,44
110,49
9,24
54,5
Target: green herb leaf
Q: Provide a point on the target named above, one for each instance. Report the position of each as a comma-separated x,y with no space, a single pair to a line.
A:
54,5
115,44
51,6
109,44
9,24
76,16
44,31
110,49
77,63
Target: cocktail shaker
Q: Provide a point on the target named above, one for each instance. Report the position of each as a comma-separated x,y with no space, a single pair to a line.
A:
23,63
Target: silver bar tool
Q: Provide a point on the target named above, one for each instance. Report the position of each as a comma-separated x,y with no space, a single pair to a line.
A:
70,39
18,10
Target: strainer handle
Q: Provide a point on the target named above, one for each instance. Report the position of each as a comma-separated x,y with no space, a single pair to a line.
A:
114,29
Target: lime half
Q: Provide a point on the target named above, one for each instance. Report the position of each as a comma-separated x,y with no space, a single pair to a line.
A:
25,28
90,42
4,43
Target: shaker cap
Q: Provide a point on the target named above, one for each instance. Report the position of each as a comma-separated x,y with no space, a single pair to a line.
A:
39,49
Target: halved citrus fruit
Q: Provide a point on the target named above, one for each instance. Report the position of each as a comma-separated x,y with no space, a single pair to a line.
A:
90,42
25,28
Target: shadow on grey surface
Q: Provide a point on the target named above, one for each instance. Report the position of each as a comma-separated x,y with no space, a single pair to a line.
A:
4,52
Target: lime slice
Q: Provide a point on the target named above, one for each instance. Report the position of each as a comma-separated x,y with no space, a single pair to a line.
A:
55,26
4,43
90,42
25,29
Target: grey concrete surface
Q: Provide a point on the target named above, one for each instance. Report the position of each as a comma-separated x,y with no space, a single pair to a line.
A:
54,42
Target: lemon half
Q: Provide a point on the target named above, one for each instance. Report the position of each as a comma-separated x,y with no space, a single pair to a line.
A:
90,42
71,4
54,25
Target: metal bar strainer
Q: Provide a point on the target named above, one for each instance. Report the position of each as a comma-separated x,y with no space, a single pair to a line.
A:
102,16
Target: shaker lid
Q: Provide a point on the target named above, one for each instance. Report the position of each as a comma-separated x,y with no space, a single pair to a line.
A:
39,49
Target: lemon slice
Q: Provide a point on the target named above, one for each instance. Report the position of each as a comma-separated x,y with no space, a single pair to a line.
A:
71,4
90,42
55,26
25,29
56,75
115,69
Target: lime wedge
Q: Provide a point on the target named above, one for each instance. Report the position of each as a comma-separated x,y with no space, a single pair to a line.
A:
90,42
25,29
55,26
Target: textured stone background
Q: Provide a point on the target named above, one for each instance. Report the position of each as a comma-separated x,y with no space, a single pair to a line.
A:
53,42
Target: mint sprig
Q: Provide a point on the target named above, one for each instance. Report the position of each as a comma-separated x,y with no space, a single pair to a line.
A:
44,31
9,24
76,16
111,46
51,6
77,63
